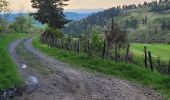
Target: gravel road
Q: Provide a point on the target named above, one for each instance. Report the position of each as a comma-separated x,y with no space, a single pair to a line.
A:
48,79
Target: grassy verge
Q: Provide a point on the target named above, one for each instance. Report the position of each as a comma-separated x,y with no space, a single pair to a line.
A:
127,71
8,73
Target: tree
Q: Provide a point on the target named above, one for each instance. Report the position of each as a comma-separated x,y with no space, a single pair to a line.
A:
29,23
96,39
21,20
22,24
5,10
50,12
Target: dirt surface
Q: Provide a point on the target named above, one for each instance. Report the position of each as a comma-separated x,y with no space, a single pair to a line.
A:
48,79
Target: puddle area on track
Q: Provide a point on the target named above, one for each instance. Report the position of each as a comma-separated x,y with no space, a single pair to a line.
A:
23,66
32,81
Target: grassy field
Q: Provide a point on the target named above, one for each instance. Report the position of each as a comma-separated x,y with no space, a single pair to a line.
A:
158,50
8,73
126,71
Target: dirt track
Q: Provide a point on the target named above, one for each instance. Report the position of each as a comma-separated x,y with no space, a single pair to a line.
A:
49,79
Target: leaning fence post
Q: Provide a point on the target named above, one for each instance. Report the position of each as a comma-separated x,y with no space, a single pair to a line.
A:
127,53
150,60
146,57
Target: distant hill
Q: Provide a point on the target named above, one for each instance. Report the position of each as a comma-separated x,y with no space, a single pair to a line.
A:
69,15
84,11
147,22
76,16
12,16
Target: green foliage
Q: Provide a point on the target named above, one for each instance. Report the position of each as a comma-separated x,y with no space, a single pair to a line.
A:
1,29
96,39
22,24
159,7
57,32
50,12
126,71
8,71
132,23
50,36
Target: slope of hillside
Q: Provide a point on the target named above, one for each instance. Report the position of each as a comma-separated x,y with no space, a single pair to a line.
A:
76,16
149,32
142,21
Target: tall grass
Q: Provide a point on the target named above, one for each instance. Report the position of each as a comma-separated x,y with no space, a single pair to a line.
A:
8,72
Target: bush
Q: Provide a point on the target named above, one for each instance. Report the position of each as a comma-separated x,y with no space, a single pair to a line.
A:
57,32
50,36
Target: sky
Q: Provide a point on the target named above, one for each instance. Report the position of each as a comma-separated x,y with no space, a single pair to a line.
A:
25,5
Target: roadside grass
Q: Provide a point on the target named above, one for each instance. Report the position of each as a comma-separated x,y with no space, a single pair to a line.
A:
130,72
8,72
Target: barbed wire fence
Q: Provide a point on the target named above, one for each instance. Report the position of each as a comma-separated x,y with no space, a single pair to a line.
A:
161,64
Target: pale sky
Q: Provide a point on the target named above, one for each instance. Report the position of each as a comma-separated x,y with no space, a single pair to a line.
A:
76,4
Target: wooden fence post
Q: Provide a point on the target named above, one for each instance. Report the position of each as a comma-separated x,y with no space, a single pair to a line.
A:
158,62
88,47
169,68
62,43
104,50
78,48
127,53
159,65
150,60
116,52
146,57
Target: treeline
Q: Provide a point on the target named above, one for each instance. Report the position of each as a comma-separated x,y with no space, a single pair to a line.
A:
100,19
165,25
160,6
96,19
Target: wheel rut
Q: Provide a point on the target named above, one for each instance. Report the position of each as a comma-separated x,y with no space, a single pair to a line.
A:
46,78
